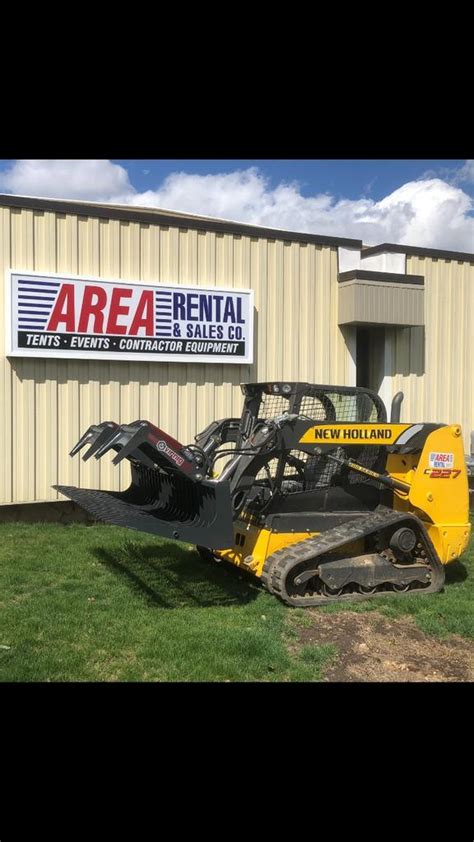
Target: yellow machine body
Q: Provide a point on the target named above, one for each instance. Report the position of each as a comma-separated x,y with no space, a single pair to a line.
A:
253,545
438,494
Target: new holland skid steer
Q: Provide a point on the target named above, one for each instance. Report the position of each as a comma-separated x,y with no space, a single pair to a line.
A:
311,491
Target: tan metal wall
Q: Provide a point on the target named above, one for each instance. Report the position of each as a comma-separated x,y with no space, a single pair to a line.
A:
437,376
46,404
380,303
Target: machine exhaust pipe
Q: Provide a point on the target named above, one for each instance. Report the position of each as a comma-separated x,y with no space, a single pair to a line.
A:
395,410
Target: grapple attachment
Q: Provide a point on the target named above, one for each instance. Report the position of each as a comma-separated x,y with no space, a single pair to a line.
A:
168,495
94,437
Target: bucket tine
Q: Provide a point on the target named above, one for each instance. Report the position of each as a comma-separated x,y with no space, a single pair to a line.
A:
112,441
148,444
91,435
119,439
137,438
109,435
103,436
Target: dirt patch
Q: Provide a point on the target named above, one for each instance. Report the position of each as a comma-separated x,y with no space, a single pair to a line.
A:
373,648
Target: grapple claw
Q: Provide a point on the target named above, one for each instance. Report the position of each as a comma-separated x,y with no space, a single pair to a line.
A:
112,441
92,436
125,440
103,436
168,495
137,436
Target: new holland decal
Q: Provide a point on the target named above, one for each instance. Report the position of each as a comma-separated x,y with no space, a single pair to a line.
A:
375,434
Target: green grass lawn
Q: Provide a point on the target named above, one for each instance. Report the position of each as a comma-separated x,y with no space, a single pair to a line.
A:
98,603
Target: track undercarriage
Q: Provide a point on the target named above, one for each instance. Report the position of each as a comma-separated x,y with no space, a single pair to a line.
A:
316,572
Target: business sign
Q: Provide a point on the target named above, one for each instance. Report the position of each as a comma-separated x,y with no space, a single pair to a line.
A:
78,316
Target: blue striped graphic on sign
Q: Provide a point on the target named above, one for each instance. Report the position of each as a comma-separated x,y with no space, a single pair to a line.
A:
35,302
31,282
35,298
163,314
35,290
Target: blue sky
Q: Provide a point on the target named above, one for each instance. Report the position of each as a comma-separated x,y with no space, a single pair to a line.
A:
416,202
342,178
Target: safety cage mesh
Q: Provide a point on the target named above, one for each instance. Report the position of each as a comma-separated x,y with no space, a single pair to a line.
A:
323,405
334,406
307,472
271,406
302,471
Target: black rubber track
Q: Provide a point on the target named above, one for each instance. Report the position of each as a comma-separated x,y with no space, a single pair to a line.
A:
279,566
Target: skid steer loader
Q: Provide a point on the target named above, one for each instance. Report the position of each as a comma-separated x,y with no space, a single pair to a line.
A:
311,491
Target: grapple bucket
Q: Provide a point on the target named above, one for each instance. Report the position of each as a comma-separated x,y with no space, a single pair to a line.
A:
167,496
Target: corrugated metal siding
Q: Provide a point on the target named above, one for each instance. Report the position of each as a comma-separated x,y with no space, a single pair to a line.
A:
436,374
380,303
46,404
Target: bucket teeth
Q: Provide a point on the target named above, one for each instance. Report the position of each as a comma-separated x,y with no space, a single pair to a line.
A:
125,439
94,437
103,436
119,439
140,442
108,435
138,434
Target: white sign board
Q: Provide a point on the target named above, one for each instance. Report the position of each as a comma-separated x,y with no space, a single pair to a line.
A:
89,318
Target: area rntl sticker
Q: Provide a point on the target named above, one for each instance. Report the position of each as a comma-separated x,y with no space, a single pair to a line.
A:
441,460
77,316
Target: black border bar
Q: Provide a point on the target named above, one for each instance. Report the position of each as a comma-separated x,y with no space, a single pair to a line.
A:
148,217
418,251
389,277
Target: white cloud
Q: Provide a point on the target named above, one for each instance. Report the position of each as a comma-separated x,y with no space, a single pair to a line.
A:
91,179
453,175
466,173
428,212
